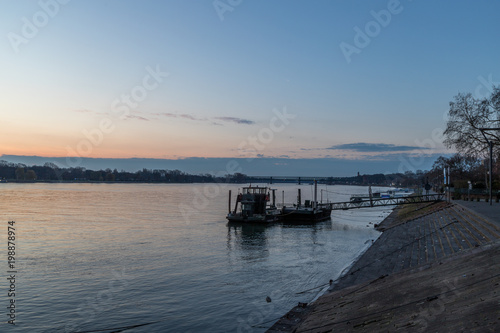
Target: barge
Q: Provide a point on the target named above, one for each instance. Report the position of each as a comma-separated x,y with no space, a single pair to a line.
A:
310,212
258,205
253,206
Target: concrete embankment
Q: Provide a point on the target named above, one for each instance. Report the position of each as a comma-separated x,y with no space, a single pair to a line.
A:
436,267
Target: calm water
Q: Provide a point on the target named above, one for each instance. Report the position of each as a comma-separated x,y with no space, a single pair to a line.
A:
95,256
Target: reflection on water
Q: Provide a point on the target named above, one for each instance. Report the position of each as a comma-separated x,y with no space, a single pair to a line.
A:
249,239
251,234
252,239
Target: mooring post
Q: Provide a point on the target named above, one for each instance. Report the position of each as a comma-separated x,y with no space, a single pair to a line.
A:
299,199
229,206
315,194
371,196
236,205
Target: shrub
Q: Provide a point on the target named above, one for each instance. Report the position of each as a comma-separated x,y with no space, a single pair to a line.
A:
479,185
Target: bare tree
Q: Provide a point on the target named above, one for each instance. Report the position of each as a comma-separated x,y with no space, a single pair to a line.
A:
20,175
467,115
30,175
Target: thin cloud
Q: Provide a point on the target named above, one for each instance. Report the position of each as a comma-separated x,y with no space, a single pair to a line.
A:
375,147
190,117
137,117
180,115
167,114
213,120
397,157
236,120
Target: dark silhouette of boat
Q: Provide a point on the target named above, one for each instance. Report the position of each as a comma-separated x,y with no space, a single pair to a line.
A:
309,212
253,205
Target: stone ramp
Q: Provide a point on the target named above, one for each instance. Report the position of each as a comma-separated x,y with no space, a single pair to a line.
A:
445,231
459,294
420,241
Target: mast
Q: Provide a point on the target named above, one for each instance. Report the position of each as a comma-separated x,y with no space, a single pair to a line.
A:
315,194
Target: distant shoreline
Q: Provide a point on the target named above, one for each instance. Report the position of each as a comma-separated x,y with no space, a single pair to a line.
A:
153,182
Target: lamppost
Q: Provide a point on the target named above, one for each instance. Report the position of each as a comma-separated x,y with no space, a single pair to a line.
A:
490,145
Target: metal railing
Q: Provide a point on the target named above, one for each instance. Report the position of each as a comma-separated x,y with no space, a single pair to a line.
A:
386,201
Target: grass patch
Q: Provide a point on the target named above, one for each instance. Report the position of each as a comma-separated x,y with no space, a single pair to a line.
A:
413,211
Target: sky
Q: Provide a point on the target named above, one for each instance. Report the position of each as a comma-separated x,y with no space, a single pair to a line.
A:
341,85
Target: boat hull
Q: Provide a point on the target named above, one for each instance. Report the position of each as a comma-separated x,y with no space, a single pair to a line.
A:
268,218
292,215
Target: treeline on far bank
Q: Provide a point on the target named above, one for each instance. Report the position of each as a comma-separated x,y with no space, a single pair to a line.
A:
50,172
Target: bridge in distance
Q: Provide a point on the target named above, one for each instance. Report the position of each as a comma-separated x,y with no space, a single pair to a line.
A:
291,180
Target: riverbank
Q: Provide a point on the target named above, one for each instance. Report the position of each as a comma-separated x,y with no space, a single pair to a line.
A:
434,267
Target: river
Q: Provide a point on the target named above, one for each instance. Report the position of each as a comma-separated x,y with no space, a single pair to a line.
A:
94,257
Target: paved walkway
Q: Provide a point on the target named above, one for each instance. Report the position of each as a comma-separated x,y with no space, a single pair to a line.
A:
483,209
446,231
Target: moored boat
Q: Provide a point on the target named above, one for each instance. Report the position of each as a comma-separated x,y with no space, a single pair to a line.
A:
305,214
309,212
253,205
391,193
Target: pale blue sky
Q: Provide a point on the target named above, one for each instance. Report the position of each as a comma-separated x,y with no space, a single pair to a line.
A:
227,76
